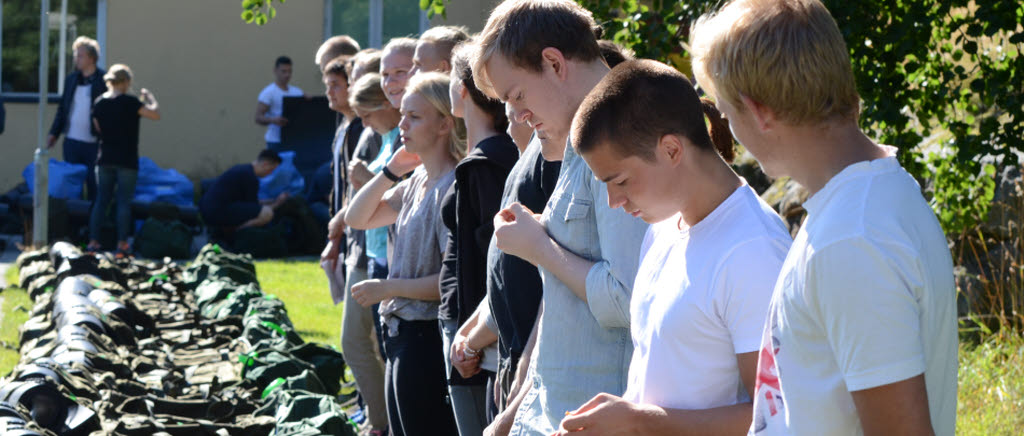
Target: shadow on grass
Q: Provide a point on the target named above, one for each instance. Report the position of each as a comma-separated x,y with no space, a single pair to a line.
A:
309,335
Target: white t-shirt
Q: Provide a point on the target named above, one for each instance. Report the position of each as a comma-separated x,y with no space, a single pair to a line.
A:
865,298
80,119
700,298
273,96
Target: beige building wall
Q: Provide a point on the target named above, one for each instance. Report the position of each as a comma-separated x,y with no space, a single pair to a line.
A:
470,13
206,67
18,142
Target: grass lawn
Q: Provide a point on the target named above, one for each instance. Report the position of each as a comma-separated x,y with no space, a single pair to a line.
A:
991,377
12,319
302,286
991,386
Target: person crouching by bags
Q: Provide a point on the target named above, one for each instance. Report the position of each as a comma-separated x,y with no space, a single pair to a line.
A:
116,115
233,203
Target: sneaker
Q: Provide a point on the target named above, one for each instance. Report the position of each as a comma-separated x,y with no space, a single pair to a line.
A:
123,250
93,247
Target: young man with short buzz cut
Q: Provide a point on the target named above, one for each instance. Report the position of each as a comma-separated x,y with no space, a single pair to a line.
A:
861,335
542,58
708,263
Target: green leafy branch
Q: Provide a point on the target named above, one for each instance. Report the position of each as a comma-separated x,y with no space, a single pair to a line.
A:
258,11
434,7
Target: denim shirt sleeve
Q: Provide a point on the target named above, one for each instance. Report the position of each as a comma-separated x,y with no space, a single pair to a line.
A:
610,281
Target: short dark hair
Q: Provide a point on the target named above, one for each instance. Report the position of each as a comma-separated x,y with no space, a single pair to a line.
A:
461,59
282,60
613,53
337,67
638,103
268,155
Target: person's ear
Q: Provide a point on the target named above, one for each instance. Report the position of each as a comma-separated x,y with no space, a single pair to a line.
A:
554,58
447,124
763,115
670,149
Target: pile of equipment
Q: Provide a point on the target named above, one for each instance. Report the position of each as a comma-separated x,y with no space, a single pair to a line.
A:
132,347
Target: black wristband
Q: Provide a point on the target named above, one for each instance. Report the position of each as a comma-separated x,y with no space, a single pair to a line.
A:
390,175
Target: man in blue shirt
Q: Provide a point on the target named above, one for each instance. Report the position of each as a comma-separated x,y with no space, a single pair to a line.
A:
542,58
233,199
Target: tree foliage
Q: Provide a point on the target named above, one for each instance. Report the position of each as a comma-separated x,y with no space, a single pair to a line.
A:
941,80
258,11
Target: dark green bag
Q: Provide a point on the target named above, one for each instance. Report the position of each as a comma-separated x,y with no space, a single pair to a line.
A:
305,413
262,242
158,238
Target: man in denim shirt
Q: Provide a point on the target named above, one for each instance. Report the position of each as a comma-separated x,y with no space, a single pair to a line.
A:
543,58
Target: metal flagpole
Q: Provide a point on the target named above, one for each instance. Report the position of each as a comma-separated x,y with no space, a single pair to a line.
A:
41,199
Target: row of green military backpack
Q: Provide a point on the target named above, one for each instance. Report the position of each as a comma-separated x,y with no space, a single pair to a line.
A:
129,347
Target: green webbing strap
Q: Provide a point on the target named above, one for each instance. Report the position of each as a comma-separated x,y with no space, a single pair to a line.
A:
273,327
158,277
270,388
247,359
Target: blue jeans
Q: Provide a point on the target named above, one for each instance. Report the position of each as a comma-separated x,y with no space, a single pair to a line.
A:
107,177
83,153
377,268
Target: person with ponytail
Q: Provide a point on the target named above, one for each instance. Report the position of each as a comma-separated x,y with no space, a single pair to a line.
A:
708,262
115,117
414,378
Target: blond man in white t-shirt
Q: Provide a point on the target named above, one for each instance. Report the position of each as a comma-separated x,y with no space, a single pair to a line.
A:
707,263
861,334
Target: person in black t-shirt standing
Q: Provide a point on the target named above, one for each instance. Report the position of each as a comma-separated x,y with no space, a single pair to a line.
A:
115,116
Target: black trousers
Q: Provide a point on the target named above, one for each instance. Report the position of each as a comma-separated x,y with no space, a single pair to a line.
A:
415,385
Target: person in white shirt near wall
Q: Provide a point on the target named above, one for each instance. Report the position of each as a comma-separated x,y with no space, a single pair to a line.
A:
707,264
861,335
270,103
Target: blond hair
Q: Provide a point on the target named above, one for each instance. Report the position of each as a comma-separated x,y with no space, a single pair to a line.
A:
403,45
91,46
366,94
118,74
785,54
433,87
520,30
445,38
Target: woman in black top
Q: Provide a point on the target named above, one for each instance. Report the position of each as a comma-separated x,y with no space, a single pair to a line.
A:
468,212
116,117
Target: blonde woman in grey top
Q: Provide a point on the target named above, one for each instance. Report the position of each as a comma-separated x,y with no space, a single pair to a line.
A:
409,296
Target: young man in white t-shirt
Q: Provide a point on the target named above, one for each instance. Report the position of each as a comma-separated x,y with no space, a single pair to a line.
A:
861,334
270,104
707,263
